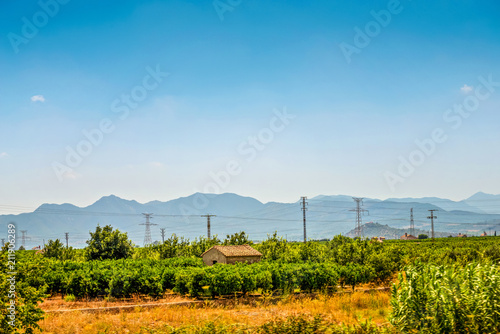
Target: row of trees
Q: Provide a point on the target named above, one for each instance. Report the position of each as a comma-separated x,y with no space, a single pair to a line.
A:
122,278
109,244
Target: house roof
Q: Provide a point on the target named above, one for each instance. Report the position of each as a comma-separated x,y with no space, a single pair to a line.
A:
240,250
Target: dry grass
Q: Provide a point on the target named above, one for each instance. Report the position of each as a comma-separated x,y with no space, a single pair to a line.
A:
58,303
343,308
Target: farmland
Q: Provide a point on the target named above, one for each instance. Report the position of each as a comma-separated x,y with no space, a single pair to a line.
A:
447,285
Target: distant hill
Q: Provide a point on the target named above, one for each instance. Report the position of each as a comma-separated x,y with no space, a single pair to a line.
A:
487,203
326,216
444,204
371,230
478,203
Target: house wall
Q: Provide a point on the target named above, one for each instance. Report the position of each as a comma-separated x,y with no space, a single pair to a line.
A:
249,259
213,255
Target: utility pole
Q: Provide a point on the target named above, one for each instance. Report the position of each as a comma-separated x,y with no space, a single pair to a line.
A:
162,235
208,223
412,223
24,237
3,242
431,217
359,212
304,209
66,234
147,233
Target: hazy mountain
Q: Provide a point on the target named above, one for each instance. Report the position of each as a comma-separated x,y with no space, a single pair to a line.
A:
326,217
442,203
485,202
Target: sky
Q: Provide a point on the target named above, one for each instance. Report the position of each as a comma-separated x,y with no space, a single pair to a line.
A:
154,100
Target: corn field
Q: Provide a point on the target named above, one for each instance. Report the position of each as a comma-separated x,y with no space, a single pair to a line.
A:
447,299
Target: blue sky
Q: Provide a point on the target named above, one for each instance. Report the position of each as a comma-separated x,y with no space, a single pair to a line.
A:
227,79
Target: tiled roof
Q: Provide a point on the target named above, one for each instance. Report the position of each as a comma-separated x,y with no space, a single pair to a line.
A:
408,237
241,250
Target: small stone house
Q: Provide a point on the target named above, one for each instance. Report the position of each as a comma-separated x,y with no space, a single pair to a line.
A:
231,255
408,237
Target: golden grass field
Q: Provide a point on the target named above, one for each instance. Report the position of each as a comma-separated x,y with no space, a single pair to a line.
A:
347,308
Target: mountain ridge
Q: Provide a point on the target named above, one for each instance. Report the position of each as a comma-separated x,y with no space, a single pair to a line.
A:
326,217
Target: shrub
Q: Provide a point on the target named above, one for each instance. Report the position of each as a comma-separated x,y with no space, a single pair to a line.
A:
69,298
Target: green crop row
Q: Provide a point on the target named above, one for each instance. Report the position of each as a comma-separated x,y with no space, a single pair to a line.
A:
447,299
122,278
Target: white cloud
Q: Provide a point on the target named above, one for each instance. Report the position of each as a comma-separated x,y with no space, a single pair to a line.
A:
3,155
38,98
466,89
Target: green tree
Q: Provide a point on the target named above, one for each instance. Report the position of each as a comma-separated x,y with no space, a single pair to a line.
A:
273,248
105,244
53,249
5,247
202,244
240,238
174,246
18,300
21,248
56,250
311,251
423,236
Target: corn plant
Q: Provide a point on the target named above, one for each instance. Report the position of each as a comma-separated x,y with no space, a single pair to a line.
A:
447,299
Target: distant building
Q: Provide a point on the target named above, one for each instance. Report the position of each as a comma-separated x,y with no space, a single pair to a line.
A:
379,239
408,237
231,255
484,234
460,235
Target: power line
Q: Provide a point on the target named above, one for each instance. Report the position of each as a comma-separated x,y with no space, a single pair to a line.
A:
431,217
359,212
24,237
304,209
412,223
162,235
208,223
147,233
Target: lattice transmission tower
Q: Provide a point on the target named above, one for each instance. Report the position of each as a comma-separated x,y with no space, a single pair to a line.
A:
147,233
359,212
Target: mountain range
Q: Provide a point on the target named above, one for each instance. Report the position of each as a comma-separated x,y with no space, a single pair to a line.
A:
326,216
